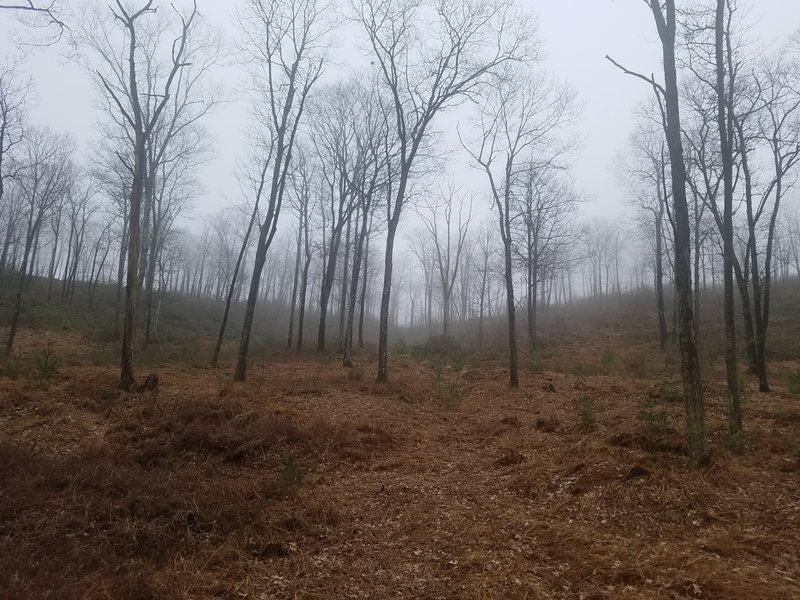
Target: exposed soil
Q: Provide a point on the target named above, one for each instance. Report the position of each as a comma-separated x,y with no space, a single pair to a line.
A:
310,482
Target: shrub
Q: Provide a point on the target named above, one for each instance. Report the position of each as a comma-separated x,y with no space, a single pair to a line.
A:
585,408
670,391
450,391
47,363
655,420
440,350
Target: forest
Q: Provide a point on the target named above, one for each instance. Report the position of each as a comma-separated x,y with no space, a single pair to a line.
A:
398,341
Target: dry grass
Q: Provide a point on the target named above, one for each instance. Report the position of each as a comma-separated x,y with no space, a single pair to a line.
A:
309,482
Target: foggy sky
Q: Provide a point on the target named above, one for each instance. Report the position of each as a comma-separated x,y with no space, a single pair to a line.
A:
576,36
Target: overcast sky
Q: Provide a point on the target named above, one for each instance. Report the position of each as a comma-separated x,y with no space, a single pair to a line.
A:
576,36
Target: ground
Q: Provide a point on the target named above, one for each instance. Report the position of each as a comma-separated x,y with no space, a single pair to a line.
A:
309,481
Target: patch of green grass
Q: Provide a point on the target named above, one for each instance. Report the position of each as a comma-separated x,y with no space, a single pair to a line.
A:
671,390
190,351
12,365
324,358
535,361
793,385
608,360
104,356
445,351
638,366
744,389
738,443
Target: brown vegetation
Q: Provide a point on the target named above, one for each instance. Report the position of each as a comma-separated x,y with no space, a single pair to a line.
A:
308,482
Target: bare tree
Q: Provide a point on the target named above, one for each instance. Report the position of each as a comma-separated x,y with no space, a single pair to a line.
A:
177,146
448,235
43,182
725,132
779,128
138,103
286,40
519,125
664,16
369,177
647,173
486,268
46,15
547,208
14,99
422,247
81,204
715,70
473,39
334,139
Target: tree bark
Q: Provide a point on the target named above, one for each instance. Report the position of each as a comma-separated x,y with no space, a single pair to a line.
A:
726,152
295,286
232,288
383,326
690,366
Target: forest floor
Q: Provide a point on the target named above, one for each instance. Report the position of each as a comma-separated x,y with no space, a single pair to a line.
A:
309,481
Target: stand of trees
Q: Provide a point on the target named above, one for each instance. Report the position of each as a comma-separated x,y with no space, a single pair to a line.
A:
334,167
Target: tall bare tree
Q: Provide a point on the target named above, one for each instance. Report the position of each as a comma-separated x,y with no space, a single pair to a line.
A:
665,18
647,173
545,211
779,130
520,121
473,38
44,181
448,224
14,101
334,140
138,104
368,180
285,43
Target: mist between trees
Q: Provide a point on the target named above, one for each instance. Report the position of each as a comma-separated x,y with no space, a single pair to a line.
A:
346,213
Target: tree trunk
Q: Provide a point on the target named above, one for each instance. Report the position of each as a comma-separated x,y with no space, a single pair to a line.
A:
12,330
232,288
123,245
363,302
132,281
662,316
302,308
295,285
343,296
327,287
52,270
690,366
726,151
383,325
512,320
347,360
150,280
250,307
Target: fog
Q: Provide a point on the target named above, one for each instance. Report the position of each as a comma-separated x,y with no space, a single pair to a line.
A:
575,35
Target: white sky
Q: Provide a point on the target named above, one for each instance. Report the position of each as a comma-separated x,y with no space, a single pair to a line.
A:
576,36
